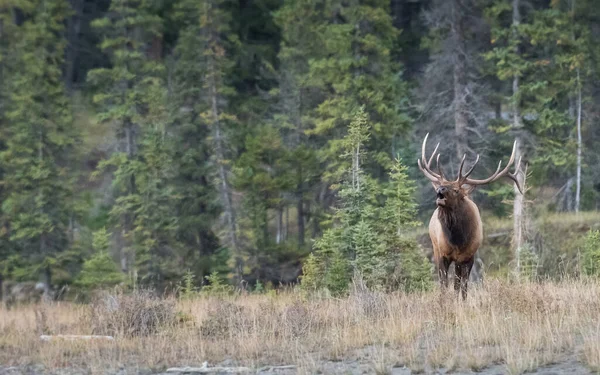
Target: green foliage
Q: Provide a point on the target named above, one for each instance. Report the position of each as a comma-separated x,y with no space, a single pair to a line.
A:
216,286
528,263
590,254
39,140
550,54
414,271
99,272
100,240
132,96
187,288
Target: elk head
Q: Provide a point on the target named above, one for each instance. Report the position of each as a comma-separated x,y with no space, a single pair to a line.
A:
455,227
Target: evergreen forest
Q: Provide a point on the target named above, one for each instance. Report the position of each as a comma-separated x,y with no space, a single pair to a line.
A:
260,143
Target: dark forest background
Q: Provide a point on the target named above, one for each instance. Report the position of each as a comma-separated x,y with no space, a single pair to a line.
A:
145,140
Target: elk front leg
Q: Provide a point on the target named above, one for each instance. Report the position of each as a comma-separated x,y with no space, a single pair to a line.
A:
461,281
443,265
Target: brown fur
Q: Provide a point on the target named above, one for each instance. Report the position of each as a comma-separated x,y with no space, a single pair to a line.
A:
456,232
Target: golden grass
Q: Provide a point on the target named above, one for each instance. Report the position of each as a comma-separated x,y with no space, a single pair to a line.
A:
522,326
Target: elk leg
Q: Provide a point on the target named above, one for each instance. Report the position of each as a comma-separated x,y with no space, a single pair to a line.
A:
443,265
463,270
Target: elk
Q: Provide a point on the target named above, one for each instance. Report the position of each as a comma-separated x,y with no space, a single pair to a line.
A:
455,227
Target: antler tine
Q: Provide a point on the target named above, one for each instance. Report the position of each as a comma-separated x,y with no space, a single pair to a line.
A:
423,149
433,154
514,176
498,174
466,175
462,164
437,163
425,165
427,173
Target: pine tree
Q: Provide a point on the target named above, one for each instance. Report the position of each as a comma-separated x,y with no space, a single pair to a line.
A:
133,98
39,140
205,48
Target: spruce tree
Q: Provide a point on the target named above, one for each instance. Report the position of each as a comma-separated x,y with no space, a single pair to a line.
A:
205,62
40,138
133,98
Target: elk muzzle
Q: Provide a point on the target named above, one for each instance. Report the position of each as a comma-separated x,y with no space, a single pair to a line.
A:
441,196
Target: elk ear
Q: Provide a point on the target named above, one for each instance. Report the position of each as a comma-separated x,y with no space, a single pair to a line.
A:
468,189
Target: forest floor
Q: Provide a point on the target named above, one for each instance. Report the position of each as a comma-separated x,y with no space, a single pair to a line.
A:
502,328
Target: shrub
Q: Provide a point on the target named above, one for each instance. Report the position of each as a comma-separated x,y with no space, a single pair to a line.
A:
140,313
186,288
529,263
590,256
414,269
216,286
100,271
326,267
224,318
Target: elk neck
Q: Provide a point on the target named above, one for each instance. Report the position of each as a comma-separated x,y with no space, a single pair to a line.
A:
457,222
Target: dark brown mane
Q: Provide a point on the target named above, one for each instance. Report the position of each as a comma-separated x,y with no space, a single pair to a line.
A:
456,223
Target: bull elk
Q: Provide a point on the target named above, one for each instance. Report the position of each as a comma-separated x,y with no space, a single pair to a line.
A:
455,227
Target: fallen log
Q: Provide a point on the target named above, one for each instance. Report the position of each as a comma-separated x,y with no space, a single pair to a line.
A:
228,370
209,370
276,368
75,337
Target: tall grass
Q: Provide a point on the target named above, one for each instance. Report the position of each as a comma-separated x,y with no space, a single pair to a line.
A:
521,326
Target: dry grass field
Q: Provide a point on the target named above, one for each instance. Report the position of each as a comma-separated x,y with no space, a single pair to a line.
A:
516,326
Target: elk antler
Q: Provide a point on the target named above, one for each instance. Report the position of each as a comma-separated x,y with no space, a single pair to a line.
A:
464,179
438,178
425,166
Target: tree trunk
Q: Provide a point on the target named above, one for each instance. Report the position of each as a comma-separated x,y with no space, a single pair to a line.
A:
280,228
224,187
286,224
127,258
459,82
300,213
518,203
71,52
578,181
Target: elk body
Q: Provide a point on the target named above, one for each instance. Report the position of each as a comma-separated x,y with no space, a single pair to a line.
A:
455,227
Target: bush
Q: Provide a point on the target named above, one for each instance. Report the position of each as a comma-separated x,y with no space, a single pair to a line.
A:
216,286
529,263
186,288
326,268
414,270
590,256
140,313
224,318
99,272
